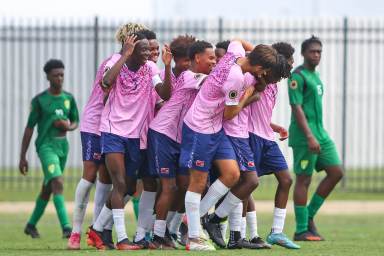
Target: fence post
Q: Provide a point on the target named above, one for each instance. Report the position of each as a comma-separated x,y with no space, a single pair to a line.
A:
344,99
220,29
96,43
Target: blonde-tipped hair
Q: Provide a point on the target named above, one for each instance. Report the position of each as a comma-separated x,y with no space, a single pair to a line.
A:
128,29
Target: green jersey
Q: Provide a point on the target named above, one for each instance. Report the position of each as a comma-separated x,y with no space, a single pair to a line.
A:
46,109
306,89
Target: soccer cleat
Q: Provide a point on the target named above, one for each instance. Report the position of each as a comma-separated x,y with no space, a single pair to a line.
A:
90,242
258,243
126,245
74,242
223,228
144,244
214,232
235,244
67,232
169,239
183,234
282,240
96,239
306,236
199,244
312,228
161,243
31,230
106,236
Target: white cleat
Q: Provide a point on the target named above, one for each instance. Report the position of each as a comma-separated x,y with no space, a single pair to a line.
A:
199,244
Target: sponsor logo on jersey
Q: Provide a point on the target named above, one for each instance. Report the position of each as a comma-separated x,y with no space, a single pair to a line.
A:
164,170
200,163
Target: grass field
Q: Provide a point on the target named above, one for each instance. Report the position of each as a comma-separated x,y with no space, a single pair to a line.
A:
351,235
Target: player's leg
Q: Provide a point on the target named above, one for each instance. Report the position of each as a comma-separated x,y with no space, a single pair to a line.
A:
329,161
304,163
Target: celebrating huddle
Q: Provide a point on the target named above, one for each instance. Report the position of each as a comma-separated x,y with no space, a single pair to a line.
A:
198,135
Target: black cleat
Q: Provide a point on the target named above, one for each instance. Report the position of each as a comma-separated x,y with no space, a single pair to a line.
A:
312,228
67,232
306,236
160,243
106,236
30,230
214,231
258,243
235,242
183,234
169,239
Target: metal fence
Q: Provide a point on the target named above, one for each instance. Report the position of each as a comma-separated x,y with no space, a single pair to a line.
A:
351,68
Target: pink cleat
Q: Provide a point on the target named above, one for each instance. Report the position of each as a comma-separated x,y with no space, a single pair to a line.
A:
74,242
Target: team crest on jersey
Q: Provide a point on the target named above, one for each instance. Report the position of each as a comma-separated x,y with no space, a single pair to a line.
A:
293,84
200,163
51,168
232,94
67,104
96,156
164,170
304,164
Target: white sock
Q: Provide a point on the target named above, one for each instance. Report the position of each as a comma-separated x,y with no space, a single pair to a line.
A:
176,222
101,196
144,220
81,201
243,227
235,217
104,217
228,204
278,220
216,191
192,207
118,219
170,216
252,224
159,227
109,224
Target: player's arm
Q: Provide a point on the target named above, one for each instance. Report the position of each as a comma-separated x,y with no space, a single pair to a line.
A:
280,130
248,46
111,75
295,92
33,118
230,111
253,98
163,89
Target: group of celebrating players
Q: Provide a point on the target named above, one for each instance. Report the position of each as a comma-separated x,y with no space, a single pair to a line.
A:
198,135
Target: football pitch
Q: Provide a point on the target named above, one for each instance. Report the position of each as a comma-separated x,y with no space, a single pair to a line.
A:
345,235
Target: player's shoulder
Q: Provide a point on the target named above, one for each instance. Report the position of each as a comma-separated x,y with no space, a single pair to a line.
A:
40,95
68,95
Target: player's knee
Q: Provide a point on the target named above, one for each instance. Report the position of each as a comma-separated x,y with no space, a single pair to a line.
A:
337,174
230,178
286,182
119,186
57,185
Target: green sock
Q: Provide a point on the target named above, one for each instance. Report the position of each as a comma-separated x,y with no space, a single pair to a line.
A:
301,214
38,211
135,202
58,200
315,204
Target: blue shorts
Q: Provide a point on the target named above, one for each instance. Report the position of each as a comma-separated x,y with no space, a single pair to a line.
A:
244,154
268,156
199,150
91,147
163,155
112,143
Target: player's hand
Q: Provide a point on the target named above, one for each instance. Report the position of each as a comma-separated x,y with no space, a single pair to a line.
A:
313,145
23,166
166,55
249,92
62,124
283,133
129,46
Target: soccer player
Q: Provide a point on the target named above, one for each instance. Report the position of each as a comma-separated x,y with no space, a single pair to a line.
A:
154,46
311,145
131,79
179,49
221,49
55,113
165,138
203,139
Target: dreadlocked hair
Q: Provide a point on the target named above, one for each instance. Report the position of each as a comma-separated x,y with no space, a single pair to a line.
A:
128,29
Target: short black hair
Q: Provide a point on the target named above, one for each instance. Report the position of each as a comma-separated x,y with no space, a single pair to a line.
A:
180,45
140,35
281,69
149,34
284,48
52,64
223,45
198,47
309,41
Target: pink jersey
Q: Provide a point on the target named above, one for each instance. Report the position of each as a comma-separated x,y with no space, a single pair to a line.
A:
169,120
260,113
222,87
90,120
129,101
238,126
